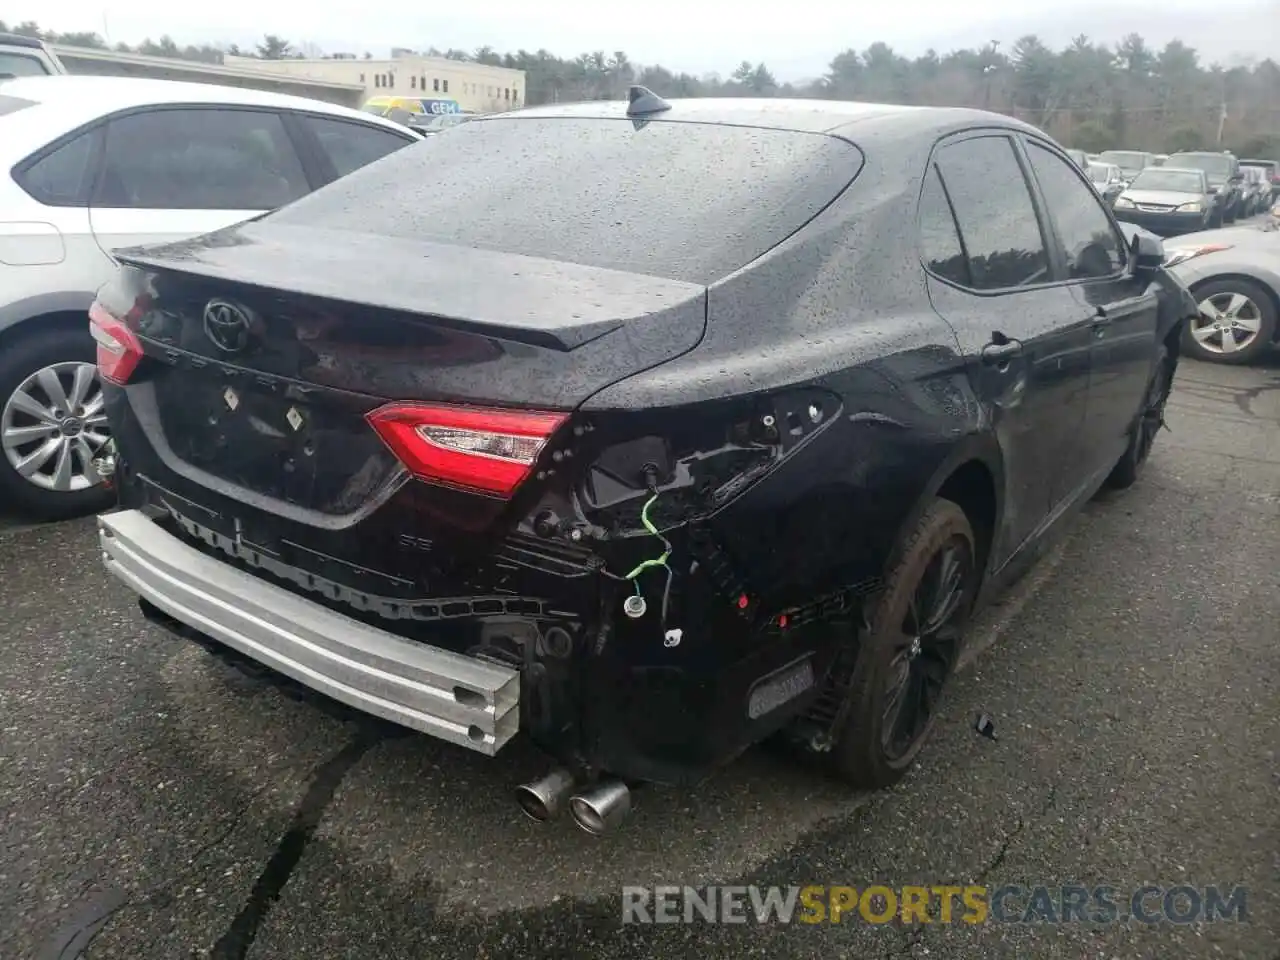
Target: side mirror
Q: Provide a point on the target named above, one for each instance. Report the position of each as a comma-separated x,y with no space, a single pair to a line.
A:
1213,189
1147,251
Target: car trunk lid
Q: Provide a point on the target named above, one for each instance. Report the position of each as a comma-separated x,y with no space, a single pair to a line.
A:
269,346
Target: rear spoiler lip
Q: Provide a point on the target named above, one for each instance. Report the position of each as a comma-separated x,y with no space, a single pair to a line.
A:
194,258
533,337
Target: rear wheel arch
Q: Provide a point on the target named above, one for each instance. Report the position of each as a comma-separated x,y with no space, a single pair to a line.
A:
65,320
972,487
972,477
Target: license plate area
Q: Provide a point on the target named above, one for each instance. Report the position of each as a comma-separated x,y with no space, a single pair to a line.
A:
310,453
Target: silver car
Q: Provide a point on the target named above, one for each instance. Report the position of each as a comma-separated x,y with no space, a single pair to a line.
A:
1167,201
1234,275
1107,179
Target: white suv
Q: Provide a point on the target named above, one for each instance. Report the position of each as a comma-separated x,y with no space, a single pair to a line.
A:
91,164
26,57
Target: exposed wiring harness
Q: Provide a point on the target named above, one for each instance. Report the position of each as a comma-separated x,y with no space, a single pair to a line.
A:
655,561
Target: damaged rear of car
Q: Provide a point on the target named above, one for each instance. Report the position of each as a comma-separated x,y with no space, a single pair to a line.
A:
596,441
373,446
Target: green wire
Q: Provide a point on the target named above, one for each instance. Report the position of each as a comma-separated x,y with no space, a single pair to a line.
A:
649,564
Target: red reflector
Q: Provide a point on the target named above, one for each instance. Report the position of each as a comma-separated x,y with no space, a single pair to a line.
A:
119,350
742,602
485,451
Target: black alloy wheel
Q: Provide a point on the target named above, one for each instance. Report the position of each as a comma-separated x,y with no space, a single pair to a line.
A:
909,650
1147,426
927,649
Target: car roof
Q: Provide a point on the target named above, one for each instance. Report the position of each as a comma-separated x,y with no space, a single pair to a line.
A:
63,103
1196,170
18,40
809,116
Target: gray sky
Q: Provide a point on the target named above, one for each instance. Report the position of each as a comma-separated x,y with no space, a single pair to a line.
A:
796,38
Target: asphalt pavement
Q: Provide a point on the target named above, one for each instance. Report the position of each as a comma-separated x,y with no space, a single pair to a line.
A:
154,804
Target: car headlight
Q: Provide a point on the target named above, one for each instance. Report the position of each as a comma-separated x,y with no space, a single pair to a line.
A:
1176,255
1123,201
1195,206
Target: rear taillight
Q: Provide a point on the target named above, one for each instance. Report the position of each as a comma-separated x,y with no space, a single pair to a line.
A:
485,451
119,350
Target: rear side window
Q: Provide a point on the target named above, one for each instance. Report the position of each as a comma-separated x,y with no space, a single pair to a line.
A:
939,241
351,146
993,210
199,159
13,64
61,178
686,201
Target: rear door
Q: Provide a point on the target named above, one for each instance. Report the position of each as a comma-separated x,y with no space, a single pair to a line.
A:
1121,310
993,278
169,173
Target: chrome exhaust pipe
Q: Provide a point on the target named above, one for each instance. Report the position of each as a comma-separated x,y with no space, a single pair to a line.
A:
544,798
602,807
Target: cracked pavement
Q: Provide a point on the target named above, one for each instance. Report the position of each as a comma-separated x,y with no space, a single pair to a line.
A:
154,803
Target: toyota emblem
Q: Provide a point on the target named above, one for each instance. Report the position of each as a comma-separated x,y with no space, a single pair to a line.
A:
227,326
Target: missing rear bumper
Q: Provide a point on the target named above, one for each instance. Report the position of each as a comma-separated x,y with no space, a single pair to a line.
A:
457,698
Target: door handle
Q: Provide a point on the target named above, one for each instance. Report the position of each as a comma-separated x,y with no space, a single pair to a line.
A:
999,353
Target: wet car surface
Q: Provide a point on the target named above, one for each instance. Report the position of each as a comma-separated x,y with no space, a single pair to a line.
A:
159,804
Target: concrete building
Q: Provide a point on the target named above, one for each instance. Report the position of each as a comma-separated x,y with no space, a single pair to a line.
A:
89,60
474,86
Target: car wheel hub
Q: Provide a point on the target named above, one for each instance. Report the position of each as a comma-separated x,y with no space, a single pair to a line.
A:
53,425
1227,323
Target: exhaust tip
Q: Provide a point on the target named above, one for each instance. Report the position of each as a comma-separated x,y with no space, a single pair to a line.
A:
543,799
601,808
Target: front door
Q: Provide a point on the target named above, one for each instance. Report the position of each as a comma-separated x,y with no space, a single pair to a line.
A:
1120,310
1019,328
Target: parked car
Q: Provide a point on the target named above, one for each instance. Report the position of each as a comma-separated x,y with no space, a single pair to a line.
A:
1080,157
1130,162
429,126
1167,201
1234,275
1159,159
1256,190
591,439
1271,171
27,57
93,163
1108,180
1223,171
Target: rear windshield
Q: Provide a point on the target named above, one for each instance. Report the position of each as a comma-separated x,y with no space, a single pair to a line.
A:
1124,159
1214,164
1162,178
685,201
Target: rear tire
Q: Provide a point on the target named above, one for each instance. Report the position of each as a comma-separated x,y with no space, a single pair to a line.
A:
64,350
1150,420
909,651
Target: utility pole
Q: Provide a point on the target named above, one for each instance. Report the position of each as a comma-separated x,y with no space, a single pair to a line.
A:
1222,110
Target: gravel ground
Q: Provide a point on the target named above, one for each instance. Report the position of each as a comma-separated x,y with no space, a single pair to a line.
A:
154,804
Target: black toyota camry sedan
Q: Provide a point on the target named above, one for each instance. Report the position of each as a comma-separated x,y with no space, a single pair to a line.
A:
645,430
